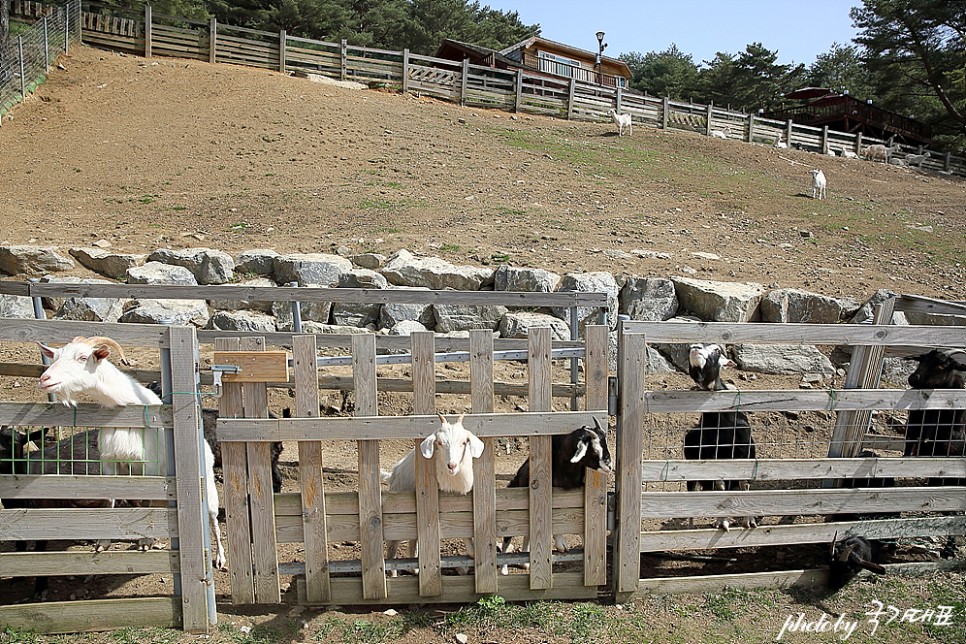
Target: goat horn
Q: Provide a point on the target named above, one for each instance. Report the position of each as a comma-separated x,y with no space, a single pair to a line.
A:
111,342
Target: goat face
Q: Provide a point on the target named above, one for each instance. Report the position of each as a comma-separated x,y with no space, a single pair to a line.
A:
592,448
455,443
847,557
940,370
705,364
73,367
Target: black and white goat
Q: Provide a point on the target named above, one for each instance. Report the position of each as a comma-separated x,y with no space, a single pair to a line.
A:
719,434
571,456
850,555
81,367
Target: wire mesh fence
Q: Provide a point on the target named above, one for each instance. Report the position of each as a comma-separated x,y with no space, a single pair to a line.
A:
28,53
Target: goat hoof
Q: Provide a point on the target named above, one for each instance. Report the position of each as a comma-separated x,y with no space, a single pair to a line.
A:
505,570
724,524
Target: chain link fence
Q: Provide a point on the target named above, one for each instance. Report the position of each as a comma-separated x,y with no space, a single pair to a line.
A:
28,53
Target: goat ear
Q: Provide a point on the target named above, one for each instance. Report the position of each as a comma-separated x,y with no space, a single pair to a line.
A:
428,446
47,351
476,446
101,351
581,450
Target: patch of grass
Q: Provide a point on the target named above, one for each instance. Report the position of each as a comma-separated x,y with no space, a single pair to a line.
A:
376,204
449,248
16,636
146,199
239,226
259,634
726,605
585,621
179,208
134,635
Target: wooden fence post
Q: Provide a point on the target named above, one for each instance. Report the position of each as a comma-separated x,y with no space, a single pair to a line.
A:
518,101
427,487
595,486
631,350
620,99
710,110
664,112
947,161
824,139
858,143
570,98
281,50
541,488
484,469
343,56
464,81
147,31
213,40
788,132
405,71
751,128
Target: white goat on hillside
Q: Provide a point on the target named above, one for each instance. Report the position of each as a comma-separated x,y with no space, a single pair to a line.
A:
81,367
622,121
818,184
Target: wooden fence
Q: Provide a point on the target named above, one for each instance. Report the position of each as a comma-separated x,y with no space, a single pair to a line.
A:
529,91
184,520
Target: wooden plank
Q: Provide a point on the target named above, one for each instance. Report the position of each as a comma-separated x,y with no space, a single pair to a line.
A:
632,352
460,589
774,535
427,487
595,484
668,505
96,615
256,366
764,333
312,485
484,468
370,502
88,524
541,491
717,583
61,331
30,564
401,427
260,496
90,414
195,559
67,486
796,469
752,400
234,459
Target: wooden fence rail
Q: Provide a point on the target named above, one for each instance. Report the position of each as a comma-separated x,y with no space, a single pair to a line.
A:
522,90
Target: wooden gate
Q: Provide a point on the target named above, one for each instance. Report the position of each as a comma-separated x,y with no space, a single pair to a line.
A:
184,521
365,516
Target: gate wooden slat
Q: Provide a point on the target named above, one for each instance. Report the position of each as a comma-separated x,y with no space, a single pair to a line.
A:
541,501
631,351
370,495
427,487
484,468
234,461
196,573
260,496
317,586
595,485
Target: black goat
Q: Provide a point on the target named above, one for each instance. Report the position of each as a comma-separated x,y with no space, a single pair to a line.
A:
571,455
718,435
938,432
209,424
850,555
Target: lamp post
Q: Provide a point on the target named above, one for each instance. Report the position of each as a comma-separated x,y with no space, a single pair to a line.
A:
601,46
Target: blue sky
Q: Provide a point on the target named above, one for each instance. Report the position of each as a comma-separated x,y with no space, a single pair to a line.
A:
799,30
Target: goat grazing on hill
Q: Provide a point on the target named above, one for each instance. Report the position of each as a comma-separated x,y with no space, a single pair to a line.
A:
81,367
818,184
571,456
452,448
718,435
879,152
622,121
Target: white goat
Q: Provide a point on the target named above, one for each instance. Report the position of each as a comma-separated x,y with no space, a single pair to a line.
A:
779,143
719,134
880,152
849,154
454,449
81,367
622,121
917,159
818,184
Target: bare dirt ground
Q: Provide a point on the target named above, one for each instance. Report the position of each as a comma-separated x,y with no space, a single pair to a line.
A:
176,153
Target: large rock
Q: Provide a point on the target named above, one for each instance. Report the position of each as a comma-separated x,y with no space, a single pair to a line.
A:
362,315
317,312
649,299
518,325
310,269
866,312
158,273
256,262
406,328
405,269
362,278
393,313
32,260
331,329
87,309
243,304
372,261
528,280
783,359
595,282
253,321
209,266
16,306
178,312
55,302
455,317
798,306
718,301
107,263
